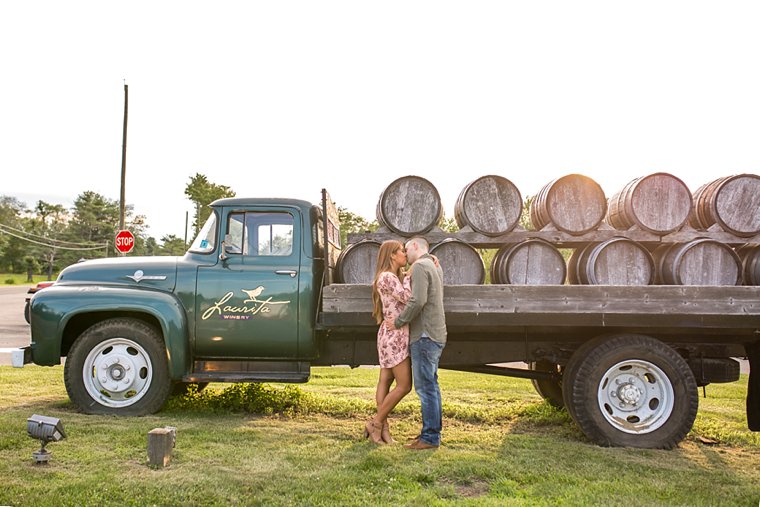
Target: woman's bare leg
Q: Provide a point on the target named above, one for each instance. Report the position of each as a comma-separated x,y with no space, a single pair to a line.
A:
383,385
402,373
373,428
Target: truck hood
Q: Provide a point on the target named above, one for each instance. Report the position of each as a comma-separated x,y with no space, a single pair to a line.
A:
154,272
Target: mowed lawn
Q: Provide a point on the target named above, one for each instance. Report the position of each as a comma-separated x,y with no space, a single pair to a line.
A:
502,446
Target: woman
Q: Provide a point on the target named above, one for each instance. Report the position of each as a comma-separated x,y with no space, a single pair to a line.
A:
390,292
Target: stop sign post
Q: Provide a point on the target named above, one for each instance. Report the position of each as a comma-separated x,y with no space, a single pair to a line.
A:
125,241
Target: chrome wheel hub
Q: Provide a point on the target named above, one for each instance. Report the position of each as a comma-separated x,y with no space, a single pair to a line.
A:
635,396
117,373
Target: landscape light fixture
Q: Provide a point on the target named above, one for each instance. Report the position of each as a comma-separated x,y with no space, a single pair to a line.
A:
46,429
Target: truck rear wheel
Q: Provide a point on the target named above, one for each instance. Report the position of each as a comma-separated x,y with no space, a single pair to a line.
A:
631,391
118,366
550,390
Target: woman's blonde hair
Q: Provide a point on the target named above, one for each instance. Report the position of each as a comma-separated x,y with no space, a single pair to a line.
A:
384,264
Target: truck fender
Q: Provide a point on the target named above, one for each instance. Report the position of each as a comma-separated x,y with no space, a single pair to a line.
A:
61,310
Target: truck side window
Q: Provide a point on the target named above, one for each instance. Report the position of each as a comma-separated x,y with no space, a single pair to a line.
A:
235,231
269,234
205,242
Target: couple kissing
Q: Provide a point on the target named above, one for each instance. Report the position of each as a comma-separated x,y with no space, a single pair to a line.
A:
408,306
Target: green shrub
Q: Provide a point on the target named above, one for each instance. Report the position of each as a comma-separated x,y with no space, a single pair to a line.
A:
252,398
10,281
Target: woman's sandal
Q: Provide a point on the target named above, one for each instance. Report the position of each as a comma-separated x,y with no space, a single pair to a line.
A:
373,431
386,434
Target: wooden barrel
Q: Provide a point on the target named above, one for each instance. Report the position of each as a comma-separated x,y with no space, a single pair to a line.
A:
617,261
698,262
750,257
574,204
357,263
490,205
410,206
572,266
733,202
461,263
530,262
659,203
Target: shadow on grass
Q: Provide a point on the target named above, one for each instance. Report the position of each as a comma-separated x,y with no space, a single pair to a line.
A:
38,406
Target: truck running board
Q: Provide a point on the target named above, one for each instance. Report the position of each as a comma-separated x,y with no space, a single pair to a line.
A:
249,371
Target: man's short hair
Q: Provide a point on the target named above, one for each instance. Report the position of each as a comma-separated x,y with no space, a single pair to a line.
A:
421,243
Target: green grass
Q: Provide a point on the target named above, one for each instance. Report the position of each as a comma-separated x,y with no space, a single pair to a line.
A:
20,279
502,446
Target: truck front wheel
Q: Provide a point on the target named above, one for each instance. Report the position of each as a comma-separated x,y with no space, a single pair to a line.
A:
631,391
118,366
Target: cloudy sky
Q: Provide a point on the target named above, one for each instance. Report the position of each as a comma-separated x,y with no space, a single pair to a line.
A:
281,99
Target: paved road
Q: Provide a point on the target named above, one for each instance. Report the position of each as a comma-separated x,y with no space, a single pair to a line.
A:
14,331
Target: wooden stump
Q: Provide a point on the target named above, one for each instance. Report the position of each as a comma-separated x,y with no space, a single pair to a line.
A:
160,445
490,205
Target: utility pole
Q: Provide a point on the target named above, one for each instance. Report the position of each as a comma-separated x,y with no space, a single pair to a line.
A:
197,217
122,202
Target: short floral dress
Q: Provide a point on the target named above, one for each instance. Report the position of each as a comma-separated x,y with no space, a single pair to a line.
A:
393,346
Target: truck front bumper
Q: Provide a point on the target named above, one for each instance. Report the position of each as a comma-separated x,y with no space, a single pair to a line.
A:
20,357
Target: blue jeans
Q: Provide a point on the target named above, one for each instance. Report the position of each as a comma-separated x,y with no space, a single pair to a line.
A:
425,355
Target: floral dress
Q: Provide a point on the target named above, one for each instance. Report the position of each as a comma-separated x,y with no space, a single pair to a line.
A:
393,346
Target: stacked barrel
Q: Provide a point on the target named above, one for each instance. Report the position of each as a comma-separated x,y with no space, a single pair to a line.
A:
658,205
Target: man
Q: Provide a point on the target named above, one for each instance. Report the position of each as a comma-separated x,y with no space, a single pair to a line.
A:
427,337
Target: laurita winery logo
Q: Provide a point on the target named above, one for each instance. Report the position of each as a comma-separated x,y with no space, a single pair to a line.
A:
244,312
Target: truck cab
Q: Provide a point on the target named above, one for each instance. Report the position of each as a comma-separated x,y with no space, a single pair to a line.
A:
252,286
240,305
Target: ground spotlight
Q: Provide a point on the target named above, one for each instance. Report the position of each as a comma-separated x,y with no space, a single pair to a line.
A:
45,429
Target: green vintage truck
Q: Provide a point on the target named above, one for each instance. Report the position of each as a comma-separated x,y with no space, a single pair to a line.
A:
253,301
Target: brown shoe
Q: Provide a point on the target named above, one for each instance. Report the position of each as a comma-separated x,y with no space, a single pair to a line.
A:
419,445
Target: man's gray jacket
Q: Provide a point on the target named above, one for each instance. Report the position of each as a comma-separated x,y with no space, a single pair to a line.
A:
424,311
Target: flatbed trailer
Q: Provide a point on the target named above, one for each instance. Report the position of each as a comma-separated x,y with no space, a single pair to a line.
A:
579,339
654,344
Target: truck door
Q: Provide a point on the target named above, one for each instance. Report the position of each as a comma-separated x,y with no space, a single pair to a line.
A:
247,304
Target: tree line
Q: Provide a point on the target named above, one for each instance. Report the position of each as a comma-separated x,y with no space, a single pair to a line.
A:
47,237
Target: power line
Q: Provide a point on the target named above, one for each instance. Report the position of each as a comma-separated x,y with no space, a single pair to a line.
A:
52,240
101,247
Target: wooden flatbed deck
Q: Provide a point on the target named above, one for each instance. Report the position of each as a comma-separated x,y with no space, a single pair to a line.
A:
731,310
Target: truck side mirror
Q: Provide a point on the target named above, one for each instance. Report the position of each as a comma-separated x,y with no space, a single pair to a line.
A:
228,248
223,251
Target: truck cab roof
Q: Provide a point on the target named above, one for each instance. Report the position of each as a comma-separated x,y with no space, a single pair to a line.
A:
258,201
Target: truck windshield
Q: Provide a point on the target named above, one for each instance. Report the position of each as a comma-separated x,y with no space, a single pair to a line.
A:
205,242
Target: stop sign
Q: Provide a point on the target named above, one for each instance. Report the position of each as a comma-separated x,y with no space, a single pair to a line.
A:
125,241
